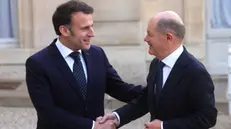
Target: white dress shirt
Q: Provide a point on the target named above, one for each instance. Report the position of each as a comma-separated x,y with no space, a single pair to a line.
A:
169,62
65,52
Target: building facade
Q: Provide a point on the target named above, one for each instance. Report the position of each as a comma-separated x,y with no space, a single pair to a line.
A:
120,27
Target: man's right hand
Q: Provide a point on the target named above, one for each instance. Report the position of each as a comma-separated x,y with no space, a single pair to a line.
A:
109,120
108,117
109,124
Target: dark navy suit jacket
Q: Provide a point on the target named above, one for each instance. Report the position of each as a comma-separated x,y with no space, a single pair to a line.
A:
55,93
185,102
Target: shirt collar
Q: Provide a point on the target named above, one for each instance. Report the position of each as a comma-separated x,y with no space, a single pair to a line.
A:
65,51
171,59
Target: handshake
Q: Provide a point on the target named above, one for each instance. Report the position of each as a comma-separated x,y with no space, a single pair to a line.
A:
108,121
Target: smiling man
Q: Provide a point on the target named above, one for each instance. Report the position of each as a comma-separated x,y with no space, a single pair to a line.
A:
67,79
180,91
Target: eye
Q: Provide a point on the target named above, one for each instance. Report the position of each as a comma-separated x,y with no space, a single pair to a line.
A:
87,27
149,34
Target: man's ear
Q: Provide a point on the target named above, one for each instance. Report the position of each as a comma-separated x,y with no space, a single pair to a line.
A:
169,36
64,30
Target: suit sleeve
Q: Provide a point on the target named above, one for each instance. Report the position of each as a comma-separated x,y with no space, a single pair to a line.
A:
117,88
138,107
135,109
40,94
201,94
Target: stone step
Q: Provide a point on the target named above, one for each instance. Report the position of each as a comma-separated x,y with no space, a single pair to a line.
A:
14,99
221,84
18,101
25,118
223,108
21,99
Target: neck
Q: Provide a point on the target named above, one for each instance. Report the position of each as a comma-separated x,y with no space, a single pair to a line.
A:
166,53
66,42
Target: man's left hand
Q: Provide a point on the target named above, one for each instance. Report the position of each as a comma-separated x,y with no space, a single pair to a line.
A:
155,124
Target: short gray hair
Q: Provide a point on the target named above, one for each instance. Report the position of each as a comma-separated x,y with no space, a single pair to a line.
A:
166,25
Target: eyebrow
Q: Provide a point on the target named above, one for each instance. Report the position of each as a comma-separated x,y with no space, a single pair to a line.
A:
85,27
149,32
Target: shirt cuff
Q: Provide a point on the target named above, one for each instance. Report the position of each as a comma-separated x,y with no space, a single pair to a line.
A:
93,124
162,125
118,117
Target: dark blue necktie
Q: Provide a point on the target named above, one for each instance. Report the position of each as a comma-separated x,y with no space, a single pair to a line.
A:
159,77
79,73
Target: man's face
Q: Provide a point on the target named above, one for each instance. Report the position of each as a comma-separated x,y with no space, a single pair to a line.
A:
155,40
81,31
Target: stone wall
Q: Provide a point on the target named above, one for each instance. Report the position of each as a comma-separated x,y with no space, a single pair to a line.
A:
120,26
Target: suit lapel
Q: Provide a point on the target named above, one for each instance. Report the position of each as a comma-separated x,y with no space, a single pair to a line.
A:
176,74
88,59
151,86
63,67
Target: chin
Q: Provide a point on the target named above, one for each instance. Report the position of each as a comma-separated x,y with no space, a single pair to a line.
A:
150,52
87,47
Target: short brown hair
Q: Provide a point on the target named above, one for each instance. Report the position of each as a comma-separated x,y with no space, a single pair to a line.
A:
63,13
164,25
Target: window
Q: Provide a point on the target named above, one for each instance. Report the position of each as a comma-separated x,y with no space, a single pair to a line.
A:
218,35
8,22
221,14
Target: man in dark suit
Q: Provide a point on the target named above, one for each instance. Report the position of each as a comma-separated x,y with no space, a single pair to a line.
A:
179,92
67,80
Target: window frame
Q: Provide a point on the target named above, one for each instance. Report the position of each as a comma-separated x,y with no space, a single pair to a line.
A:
14,41
214,32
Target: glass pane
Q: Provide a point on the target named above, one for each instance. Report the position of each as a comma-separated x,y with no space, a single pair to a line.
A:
220,14
8,19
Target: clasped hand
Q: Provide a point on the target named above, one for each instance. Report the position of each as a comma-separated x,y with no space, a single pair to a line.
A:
108,121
